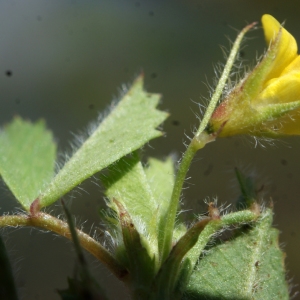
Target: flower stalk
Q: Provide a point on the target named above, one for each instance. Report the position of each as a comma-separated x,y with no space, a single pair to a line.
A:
198,142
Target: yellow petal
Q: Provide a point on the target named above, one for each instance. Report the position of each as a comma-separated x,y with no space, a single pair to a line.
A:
294,66
280,90
287,47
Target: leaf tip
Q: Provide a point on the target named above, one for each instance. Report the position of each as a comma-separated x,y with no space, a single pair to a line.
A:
139,79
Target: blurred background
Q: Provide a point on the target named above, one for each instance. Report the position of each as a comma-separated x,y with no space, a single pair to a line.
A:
64,61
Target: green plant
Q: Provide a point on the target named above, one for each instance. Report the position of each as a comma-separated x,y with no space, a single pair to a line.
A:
154,253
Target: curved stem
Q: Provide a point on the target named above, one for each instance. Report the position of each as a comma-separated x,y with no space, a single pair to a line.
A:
199,141
48,222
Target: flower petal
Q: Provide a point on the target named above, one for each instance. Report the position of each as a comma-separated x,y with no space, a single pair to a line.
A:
294,66
287,47
280,90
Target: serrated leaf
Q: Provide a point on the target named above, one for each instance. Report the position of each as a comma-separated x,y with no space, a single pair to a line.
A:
250,266
130,125
127,183
27,159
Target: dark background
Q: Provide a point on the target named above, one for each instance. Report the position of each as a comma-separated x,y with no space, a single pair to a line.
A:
65,61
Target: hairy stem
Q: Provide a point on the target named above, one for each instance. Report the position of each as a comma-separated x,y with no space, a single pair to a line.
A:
225,75
48,222
171,215
199,141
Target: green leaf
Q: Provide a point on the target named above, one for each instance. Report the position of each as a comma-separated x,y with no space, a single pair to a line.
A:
250,266
127,183
141,265
161,177
165,281
27,159
130,125
230,219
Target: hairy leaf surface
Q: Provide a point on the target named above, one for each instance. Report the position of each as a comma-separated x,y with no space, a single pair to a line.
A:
130,125
249,266
27,159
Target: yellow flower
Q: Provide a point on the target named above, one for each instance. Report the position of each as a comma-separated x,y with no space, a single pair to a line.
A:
267,101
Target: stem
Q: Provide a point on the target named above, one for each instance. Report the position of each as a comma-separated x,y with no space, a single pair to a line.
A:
173,206
198,142
48,222
225,74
